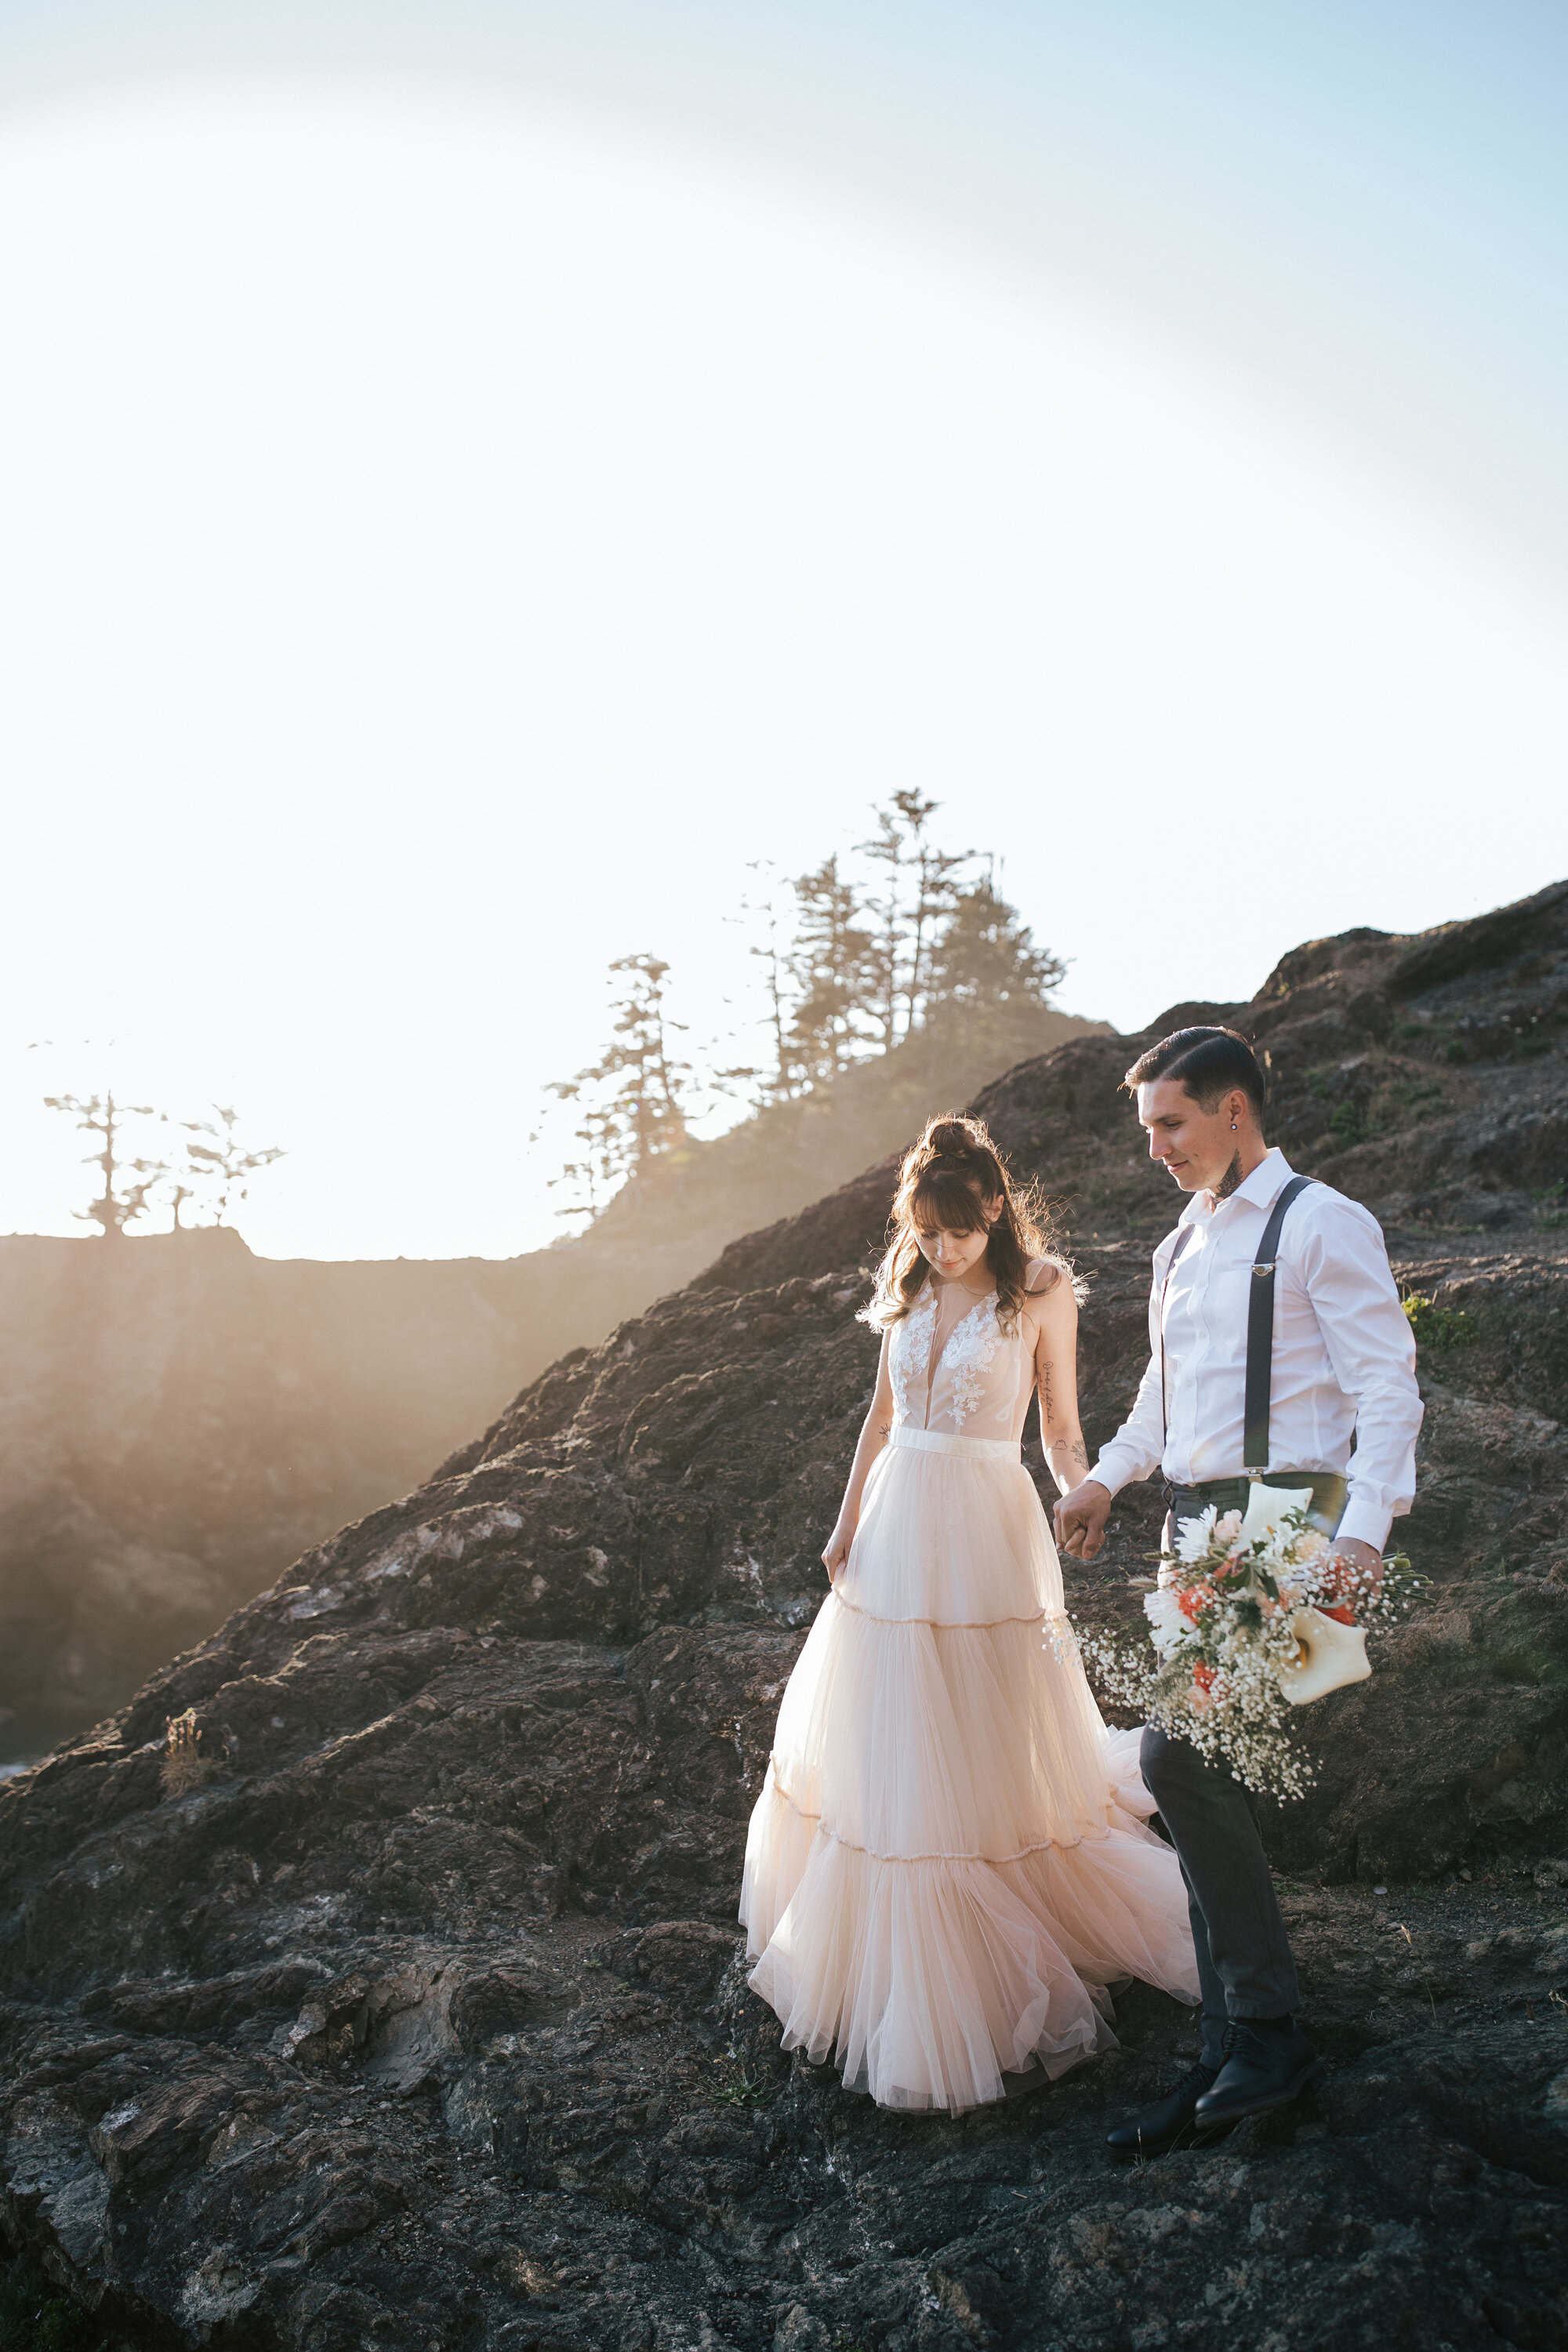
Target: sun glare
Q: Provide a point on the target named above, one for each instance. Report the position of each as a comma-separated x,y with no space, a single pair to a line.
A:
441,549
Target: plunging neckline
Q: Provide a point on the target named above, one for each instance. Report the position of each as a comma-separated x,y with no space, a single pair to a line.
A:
934,1353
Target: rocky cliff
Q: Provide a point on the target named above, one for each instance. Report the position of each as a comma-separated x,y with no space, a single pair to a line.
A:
414,2018
179,1420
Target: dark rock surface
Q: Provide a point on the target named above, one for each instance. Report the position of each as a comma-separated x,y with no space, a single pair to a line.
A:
418,2022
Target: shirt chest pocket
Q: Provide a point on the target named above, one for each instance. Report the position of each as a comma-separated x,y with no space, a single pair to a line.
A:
1213,1309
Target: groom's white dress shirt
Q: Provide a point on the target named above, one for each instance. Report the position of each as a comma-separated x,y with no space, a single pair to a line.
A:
1345,1355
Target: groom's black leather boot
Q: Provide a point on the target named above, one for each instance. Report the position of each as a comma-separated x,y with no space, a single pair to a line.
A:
1268,2062
1154,2131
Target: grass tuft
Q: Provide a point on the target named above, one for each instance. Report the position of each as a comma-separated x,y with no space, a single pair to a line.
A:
1440,1327
183,1767
746,2090
1552,1204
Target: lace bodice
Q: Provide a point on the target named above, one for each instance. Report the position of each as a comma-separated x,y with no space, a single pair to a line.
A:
983,1375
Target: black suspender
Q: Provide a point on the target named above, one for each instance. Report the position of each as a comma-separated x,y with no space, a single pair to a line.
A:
1184,1236
1259,1330
1260,1333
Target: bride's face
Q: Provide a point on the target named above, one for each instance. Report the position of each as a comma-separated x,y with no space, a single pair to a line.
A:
955,1257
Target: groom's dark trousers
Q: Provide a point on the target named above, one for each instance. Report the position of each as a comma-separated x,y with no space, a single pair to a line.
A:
1244,1969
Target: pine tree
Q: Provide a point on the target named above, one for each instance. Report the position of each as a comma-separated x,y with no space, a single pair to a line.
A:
985,970
120,1202
642,1117
782,1080
218,1167
921,885
891,946
222,1165
833,970
923,967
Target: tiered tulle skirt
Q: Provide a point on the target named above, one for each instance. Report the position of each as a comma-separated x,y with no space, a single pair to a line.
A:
947,1868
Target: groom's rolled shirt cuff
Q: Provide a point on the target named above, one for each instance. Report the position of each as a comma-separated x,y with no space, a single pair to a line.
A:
1113,1470
1367,1521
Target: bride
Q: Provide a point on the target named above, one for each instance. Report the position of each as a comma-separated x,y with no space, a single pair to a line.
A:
944,1872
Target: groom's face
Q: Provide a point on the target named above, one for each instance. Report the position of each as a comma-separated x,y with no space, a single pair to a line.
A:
1195,1145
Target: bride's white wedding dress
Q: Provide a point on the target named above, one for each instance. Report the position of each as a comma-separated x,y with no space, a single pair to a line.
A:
948,1866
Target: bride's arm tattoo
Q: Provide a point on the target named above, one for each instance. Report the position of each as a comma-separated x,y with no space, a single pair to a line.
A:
1068,1462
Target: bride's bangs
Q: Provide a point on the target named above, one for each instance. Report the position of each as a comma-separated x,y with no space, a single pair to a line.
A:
943,1201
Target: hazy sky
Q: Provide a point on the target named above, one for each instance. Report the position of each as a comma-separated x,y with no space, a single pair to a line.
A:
472,480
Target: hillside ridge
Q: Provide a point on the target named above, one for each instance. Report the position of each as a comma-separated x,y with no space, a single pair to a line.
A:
180,1419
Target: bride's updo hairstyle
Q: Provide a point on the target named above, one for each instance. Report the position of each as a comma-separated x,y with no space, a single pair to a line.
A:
954,1180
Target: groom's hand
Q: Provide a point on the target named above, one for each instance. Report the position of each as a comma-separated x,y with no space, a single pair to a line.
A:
1365,1559
1080,1519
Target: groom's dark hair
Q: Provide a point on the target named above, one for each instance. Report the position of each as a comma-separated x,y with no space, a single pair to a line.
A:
1208,1061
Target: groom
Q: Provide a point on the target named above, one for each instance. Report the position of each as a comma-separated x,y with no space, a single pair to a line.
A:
1277,1339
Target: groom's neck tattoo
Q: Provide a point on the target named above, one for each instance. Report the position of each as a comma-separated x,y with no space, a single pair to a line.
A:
1229,1181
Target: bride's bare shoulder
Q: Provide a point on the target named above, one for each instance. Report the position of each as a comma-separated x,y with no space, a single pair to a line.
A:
1048,1283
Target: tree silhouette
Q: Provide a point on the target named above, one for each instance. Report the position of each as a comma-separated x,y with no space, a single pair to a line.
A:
920,886
920,957
987,954
120,1201
834,969
221,1166
988,977
642,1116
782,1080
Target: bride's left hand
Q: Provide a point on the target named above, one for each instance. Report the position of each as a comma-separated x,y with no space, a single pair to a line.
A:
835,1550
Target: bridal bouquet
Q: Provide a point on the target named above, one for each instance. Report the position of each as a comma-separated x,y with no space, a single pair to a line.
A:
1233,1651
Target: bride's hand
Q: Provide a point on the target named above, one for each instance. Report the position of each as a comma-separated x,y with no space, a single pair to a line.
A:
836,1551
1080,1519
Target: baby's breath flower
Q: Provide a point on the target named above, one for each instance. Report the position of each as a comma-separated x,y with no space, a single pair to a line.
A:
1221,1622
